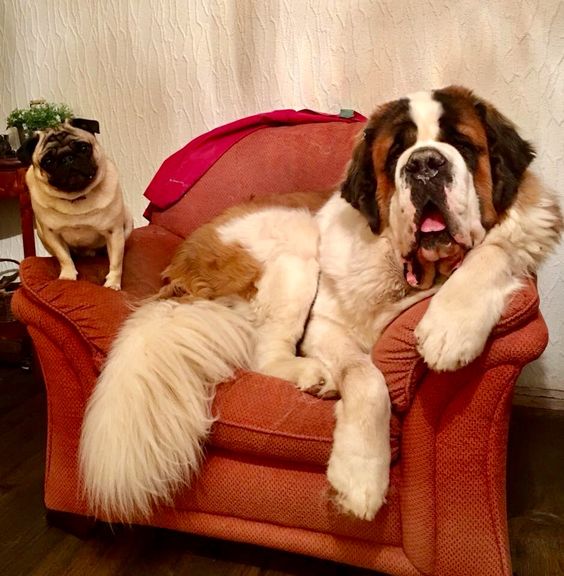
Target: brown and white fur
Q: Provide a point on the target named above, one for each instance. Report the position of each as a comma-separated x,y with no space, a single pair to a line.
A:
437,197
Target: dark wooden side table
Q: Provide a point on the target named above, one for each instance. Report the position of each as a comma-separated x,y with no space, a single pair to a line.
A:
15,345
12,185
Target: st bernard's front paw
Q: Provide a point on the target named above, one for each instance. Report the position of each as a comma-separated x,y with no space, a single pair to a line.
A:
450,336
360,483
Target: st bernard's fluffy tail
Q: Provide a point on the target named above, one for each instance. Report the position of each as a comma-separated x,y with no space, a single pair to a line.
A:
151,409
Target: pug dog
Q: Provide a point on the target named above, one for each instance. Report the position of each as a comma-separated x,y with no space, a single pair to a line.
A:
76,196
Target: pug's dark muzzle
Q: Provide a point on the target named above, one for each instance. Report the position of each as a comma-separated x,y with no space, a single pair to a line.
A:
69,164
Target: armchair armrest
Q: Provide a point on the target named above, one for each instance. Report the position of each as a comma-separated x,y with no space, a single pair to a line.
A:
454,439
396,355
87,314
72,324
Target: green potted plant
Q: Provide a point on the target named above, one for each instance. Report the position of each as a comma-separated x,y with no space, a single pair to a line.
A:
39,116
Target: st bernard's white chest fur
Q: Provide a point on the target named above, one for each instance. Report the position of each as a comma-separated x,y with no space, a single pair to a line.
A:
437,199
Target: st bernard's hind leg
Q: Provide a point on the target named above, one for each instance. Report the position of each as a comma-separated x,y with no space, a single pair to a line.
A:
359,464
285,294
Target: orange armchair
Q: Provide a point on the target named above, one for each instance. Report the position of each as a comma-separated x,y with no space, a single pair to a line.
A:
263,480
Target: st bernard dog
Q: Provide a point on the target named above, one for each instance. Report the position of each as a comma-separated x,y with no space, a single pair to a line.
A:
437,199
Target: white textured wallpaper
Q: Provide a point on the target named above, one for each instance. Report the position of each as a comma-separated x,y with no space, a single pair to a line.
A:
157,73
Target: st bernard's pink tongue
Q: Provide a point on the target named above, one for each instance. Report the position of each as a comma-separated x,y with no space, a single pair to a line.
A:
411,278
433,221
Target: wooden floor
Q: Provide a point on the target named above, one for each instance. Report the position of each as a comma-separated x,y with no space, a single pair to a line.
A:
30,547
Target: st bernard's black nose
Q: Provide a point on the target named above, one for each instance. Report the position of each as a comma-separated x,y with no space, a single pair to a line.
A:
425,163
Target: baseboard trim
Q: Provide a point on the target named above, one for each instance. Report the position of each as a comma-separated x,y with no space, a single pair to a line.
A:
548,398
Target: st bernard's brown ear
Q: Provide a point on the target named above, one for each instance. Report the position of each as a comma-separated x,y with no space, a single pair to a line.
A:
359,187
509,154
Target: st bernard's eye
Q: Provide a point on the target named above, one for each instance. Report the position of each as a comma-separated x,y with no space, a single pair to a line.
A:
466,147
462,143
395,151
405,136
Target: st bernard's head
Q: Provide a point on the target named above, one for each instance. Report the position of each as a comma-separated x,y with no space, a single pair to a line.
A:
438,169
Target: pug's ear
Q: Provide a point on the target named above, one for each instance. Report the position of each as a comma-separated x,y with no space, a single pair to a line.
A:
510,155
92,126
26,150
359,187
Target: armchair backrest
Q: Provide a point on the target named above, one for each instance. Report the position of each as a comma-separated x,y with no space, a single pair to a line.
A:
273,160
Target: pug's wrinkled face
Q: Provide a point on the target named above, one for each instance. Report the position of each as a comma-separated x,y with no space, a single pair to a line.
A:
67,158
